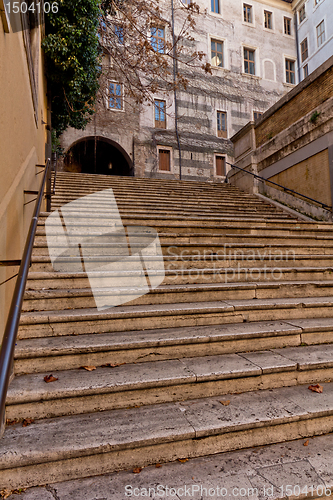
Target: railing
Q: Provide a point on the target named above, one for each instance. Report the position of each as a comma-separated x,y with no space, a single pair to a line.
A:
284,188
9,339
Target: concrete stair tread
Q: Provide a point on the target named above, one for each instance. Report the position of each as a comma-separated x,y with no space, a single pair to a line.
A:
174,309
142,375
78,382
57,346
256,471
90,434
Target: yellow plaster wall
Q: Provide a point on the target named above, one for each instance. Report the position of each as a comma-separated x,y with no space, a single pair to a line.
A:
22,146
310,177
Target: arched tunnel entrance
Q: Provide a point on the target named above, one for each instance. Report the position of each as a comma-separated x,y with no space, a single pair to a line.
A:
98,156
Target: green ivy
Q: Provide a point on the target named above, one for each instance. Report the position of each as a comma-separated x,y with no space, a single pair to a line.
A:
72,53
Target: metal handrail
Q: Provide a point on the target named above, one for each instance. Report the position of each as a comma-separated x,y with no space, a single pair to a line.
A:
256,176
9,339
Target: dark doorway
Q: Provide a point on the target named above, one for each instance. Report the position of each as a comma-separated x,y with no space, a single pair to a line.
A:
100,156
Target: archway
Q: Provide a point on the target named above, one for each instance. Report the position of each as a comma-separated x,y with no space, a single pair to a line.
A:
98,155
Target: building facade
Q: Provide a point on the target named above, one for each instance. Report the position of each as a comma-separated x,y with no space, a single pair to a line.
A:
24,140
314,21
251,47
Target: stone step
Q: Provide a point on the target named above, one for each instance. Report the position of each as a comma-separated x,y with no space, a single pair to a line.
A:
96,443
126,196
63,352
181,228
141,317
237,274
79,391
246,257
83,298
173,247
277,471
244,215
198,219
68,351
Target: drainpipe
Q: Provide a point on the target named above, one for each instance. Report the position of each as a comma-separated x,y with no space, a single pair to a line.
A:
175,90
297,47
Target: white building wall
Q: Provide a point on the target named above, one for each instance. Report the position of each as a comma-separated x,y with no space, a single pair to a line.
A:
315,14
228,89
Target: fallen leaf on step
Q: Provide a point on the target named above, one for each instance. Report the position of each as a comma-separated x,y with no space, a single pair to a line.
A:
111,365
50,378
27,421
226,402
137,470
306,443
5,493
327,381
316,388
158,466
89,368
11,422
182,460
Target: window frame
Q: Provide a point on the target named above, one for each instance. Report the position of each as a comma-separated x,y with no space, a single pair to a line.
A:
223,133
121,95
285,18
215,4
289,71
165,148
157,123
245,13
157,37
216,41
304,49
252,51
260,113
220,155
268,20
302,14
322,33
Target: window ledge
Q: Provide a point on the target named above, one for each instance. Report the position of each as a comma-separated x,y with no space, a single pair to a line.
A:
289,85
269,30
250,25
255,77
218,68
215,14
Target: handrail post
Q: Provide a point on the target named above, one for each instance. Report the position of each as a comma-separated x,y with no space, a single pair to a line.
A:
10,334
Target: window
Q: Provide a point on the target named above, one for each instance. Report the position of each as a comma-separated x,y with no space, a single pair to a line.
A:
290,71
158,39
268,17
320,33
302,13
305,71
249,64
287,26
160,115
187,2
115,95
215,6
220,165
217,53
222,124
247,10
119,33
257,115
304,49
164,159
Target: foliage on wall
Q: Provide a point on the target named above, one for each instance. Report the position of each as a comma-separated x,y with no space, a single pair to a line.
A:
72,53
